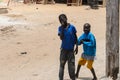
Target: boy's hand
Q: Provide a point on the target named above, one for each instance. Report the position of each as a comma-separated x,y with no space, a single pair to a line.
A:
81,42
76,50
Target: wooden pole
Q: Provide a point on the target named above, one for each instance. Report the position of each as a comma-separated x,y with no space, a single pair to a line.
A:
45,1
8,3
104,3
112,38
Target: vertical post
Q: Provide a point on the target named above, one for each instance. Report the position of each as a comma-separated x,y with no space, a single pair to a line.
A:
119,13
8,3
112,38
104,3
45,1
78,2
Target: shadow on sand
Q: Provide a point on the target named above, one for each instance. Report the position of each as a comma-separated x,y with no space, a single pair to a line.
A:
81,78
84,78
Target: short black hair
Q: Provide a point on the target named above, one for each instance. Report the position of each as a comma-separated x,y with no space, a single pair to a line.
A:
62,16
87,25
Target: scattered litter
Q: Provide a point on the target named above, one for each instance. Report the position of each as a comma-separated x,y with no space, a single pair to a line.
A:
35,74
7,29
36,8
18,42
23,52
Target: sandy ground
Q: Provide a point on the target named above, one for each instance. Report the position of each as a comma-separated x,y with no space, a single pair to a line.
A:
29,45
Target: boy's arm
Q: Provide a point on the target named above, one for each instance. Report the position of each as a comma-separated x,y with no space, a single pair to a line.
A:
61,33
91,42
76,43
80,39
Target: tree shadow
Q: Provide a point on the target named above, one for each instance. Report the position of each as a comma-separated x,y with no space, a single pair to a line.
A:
103,77
107,78
67,79
81,78
84,78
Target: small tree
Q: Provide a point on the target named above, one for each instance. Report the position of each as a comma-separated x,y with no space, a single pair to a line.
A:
112,38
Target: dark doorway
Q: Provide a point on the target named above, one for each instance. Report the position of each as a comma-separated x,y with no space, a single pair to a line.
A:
60,1
65,1
84,1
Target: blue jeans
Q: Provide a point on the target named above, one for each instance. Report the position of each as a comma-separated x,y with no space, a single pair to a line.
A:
67,55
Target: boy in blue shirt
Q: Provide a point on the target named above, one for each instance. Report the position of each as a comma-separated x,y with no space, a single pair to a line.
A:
67,34
88,41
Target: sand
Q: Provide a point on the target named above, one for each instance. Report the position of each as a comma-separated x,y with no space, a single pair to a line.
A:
30,47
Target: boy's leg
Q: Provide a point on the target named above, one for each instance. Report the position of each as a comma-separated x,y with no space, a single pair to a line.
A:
71,65
62,64
82,61
78,69
89,65
93,73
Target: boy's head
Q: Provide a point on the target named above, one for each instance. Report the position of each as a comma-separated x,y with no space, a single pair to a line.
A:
63,20
86,28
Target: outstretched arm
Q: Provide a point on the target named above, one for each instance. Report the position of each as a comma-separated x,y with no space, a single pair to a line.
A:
91,43
80,39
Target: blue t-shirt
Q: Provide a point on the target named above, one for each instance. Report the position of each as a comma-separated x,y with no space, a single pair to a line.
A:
89,46
69,39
